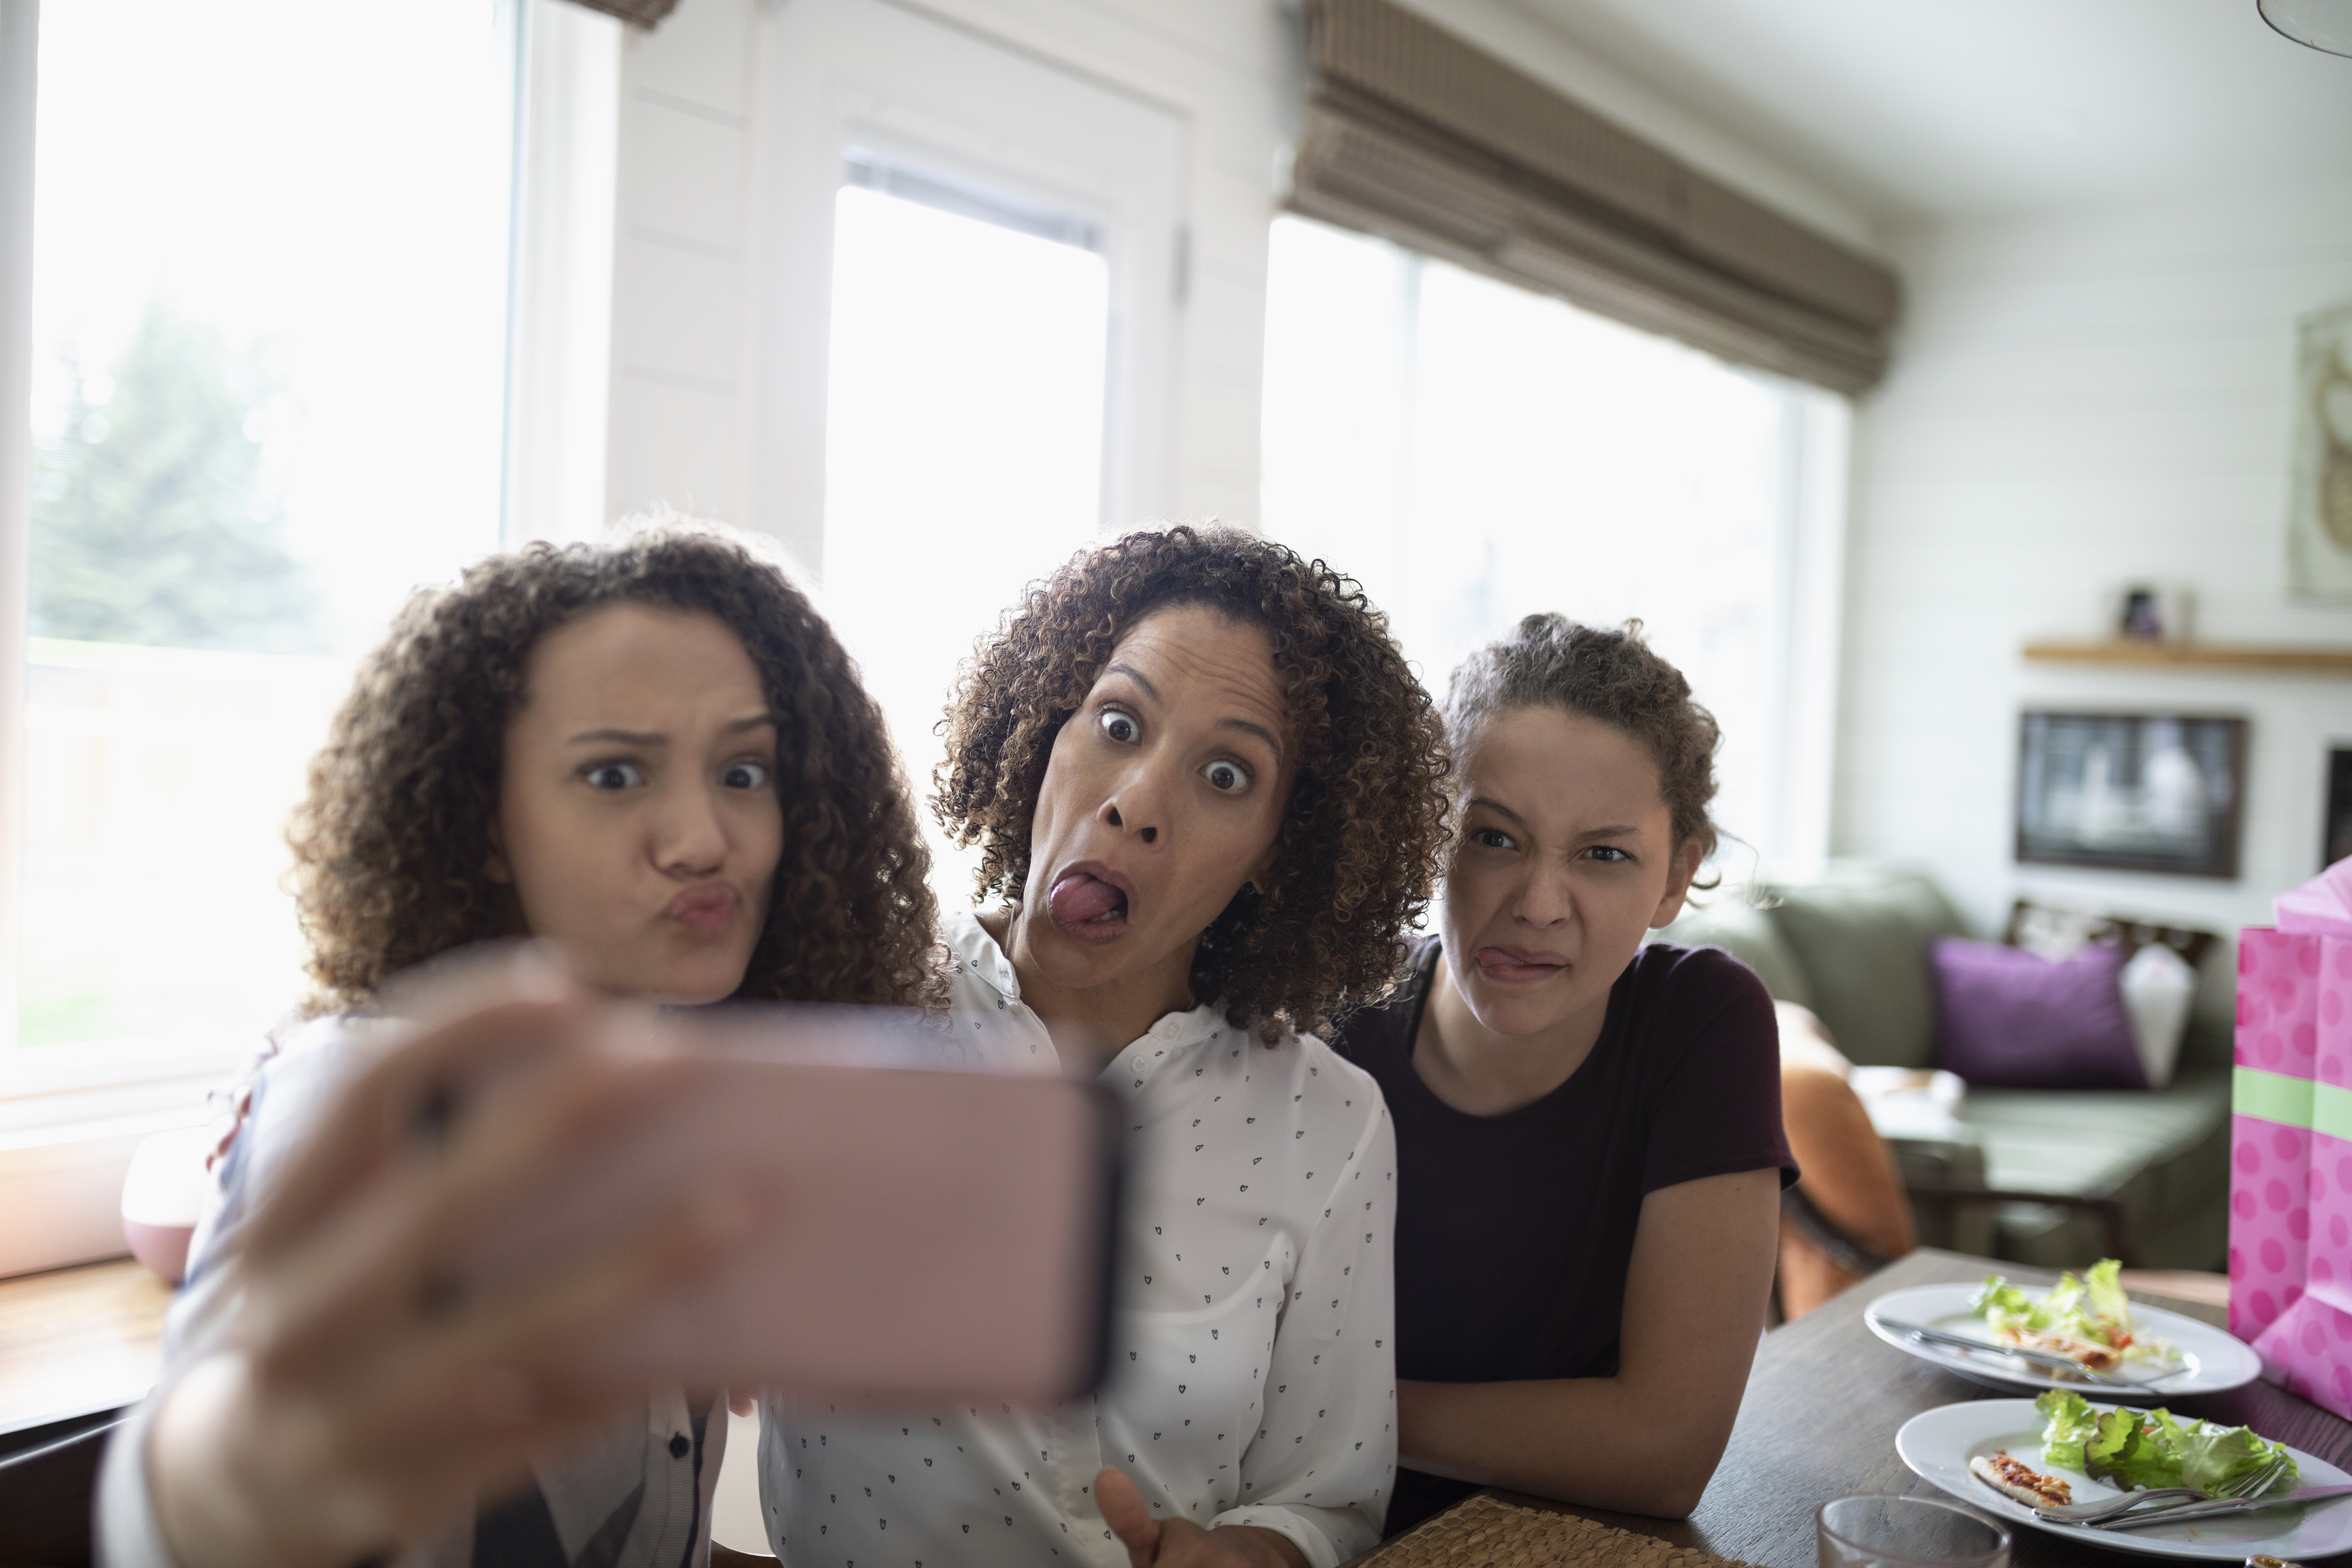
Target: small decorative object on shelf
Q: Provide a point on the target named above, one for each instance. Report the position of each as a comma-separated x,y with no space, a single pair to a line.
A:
2150,613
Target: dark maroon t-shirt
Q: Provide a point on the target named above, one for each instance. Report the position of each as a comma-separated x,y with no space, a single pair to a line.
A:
1514,1232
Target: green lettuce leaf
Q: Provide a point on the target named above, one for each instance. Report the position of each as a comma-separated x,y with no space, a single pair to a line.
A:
2004,1306
2210,1455
2069,1424
2132,1451
2104,1288
2064,1303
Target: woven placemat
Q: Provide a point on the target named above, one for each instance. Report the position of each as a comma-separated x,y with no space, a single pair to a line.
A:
1487,1532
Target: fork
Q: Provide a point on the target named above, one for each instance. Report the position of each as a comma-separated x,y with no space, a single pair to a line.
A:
2251,1484
2238,1499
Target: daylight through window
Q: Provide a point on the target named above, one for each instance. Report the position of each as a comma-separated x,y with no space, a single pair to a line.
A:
270,319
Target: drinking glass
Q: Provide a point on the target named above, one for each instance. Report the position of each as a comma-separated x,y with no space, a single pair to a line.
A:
1907,1532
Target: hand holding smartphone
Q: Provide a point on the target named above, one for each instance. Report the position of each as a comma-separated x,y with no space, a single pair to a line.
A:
911,1233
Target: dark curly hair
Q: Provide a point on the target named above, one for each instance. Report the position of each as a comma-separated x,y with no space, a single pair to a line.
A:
392,844
1362,833
1610,674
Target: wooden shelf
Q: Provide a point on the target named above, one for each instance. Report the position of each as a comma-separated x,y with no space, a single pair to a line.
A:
2197,655
77,1339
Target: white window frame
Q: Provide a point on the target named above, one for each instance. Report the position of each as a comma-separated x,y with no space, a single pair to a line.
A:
835,75
19,68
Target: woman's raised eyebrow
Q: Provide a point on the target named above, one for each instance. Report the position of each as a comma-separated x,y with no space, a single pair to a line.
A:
1498,808
618,737
1260,730
652,737
1137,676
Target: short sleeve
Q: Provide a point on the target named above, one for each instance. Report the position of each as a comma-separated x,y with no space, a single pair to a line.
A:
1715,1041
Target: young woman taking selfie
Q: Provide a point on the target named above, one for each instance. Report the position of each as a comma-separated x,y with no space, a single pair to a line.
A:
1208,795
1589,1131
656,755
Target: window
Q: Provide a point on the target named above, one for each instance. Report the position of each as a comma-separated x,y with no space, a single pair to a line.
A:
963,428
1473,453
978,268
270,312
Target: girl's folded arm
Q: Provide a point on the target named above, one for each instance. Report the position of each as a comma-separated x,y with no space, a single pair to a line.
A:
1647,1439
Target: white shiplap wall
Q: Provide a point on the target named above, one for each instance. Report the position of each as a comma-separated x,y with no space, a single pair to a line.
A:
2080,399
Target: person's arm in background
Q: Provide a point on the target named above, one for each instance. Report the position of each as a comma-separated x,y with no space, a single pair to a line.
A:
1647,1440
1851,1175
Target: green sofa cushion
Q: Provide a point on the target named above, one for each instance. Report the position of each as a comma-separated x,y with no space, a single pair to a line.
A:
2164,1152
1728,921
1860,933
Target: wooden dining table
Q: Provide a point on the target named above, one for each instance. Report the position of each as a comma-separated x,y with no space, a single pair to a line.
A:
1827,1396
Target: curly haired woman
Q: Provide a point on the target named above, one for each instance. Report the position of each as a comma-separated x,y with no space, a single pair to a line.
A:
1588,1129
655,754
1208,795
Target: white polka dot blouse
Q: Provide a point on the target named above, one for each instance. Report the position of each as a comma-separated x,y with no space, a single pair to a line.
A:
1253,1377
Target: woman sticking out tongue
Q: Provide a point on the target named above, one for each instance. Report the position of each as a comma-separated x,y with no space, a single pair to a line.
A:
1207,794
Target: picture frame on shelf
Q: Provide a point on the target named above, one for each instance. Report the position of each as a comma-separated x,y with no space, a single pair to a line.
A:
2145,612
2131,792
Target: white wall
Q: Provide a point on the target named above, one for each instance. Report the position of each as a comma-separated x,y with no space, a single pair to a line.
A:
684,274
2079,399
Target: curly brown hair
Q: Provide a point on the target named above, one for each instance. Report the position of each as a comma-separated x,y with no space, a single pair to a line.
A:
392,846
1610,674
1363,830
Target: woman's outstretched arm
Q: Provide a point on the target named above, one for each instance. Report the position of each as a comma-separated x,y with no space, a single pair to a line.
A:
1647,1440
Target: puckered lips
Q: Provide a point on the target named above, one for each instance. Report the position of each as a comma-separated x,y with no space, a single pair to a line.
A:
705,909
1090,902
1519,965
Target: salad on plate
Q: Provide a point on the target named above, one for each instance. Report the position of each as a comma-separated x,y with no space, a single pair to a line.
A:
2130,1449
2086,1318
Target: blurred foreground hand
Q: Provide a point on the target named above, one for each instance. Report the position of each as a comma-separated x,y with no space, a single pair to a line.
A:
361,1395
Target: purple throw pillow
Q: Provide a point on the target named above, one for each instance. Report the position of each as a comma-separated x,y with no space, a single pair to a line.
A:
2008,1018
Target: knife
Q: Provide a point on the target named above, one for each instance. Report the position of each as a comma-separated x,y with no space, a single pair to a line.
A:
2216,1508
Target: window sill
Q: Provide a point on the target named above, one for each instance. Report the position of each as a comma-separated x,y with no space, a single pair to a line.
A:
69,1127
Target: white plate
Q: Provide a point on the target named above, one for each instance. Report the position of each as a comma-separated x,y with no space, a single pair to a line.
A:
2214,1360
1938,1443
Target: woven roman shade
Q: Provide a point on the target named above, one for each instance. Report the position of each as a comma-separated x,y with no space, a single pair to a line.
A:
1412,133
643,13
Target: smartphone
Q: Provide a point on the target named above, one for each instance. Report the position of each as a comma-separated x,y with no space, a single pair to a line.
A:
918,1233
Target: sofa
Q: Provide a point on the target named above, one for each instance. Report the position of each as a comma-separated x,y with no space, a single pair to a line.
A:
2090,1171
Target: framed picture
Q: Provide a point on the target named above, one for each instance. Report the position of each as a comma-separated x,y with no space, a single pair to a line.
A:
2131,792
2319,485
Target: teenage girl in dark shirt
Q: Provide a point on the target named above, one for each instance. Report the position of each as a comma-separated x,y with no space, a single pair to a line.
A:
1589,1131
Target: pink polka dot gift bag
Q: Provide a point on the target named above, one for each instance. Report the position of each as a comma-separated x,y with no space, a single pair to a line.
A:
2291,1143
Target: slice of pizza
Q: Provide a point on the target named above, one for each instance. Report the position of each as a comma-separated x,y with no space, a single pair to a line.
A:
2015,1478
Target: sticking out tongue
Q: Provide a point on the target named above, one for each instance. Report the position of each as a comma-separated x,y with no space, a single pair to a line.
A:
1078,897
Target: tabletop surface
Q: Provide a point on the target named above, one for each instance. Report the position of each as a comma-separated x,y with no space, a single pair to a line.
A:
1827,1396
74,1341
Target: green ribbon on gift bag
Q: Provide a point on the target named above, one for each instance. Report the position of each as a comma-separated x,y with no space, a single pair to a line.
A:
2291,1101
